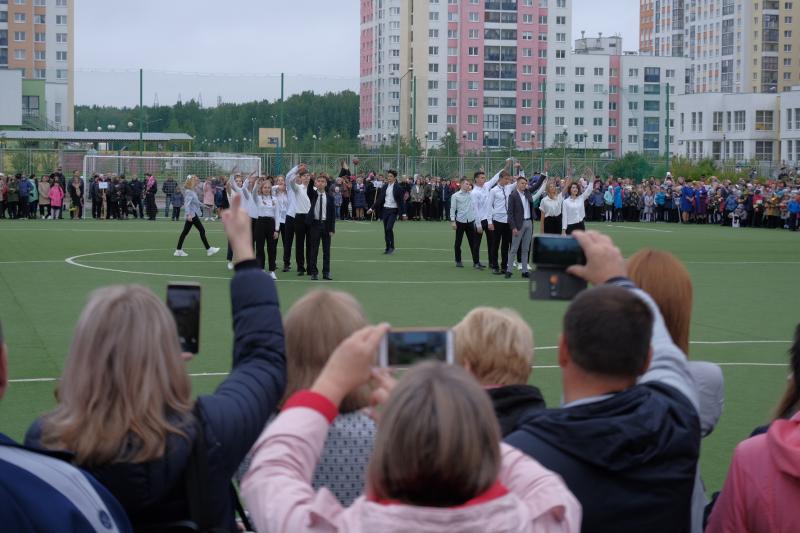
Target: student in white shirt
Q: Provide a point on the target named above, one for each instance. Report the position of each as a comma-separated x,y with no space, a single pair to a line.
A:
464,219
499,230
243,187
297,189
287,228
551,206
388,200
321,222
267,224
480,202
573,210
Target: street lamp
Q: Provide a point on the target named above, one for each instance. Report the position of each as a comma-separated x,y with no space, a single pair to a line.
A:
130,124
314,137
253,120
564,140
511,143
447,138
400,85
585,136
533,148
724,148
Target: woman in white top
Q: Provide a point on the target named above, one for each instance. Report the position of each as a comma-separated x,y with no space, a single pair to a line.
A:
550,206
573,210
267,223
243,187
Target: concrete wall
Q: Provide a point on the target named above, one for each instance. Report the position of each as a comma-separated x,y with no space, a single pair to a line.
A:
10,98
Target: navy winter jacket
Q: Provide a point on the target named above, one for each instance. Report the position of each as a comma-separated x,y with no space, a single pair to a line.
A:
232,418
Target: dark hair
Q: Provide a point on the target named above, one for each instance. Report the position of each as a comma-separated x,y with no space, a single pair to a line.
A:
791,398
478,173
392,172
462,180
607,330
522,178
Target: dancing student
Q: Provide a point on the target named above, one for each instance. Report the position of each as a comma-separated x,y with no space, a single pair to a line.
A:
281,206
244,187
551,206
287,229
498,224
574,208
464,219
388,200
483,211
297,187
194,210
321,221
267,223
520,209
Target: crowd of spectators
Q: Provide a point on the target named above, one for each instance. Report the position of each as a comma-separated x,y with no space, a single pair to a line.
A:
322,440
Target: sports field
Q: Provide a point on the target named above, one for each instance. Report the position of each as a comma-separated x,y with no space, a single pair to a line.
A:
745,310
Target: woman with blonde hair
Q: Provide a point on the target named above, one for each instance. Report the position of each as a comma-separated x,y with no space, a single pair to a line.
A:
496,346
661,275
438,464
193,209
125,409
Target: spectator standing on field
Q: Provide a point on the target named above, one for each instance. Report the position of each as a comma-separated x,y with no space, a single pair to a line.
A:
150,189
44,197
56,200
136,189
168,188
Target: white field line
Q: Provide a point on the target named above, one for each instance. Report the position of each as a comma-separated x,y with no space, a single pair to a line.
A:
640,229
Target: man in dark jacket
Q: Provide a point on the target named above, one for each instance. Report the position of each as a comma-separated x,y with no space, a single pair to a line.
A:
321,221
627,437
43,492
168,188
136,190
388,203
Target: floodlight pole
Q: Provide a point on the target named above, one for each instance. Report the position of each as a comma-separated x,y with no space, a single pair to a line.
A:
278,160
141,112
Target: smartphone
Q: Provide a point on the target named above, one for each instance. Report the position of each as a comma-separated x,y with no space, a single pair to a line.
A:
183,299
403,347
557,251
552,254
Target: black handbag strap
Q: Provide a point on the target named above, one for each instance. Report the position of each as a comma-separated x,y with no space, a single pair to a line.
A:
197,483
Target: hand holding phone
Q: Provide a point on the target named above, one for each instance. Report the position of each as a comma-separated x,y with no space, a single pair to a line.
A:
553,255
183,299
404,347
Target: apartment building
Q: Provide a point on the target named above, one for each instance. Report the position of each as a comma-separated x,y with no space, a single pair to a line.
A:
740,127
734,45
36,37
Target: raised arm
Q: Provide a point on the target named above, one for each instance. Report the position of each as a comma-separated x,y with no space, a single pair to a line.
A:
585,194
291,176
540,191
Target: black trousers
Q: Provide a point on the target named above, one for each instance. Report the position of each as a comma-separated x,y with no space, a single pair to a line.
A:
264,232
318,235
500,240
389,217
187,226
300,245
552,225
477,240
576,226
467,228
287,237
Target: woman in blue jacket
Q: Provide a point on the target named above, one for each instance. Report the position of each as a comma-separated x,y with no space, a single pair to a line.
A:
125,408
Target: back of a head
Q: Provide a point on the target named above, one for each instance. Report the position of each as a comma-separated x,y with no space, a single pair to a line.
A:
496,344
313,327
124,386
662,275
438,440
607,330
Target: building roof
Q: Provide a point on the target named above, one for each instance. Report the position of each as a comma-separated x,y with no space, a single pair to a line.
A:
89,136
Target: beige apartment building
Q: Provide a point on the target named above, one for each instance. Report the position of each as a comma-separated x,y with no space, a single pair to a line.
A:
37,39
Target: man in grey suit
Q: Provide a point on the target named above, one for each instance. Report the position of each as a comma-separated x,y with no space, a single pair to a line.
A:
520,209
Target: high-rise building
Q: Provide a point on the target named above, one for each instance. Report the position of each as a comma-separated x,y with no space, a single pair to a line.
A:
502,73
733,45
37,38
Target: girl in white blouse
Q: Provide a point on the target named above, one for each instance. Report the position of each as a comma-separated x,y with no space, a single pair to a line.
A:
573,210
550,207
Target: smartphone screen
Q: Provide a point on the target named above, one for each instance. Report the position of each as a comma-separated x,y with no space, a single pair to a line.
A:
405,347
183,299
557,251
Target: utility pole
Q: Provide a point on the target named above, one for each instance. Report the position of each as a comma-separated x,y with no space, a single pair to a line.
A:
666,137
141,112
413,125
278,159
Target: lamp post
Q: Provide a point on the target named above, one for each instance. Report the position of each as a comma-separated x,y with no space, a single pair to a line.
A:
511,143
724,149
533,148
463,152
585,136
253,120
400,86
314,137
447,138
564,140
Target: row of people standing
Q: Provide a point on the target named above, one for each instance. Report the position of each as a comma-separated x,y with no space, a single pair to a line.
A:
24,198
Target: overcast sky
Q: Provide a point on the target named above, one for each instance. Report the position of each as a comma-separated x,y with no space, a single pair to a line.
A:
247,44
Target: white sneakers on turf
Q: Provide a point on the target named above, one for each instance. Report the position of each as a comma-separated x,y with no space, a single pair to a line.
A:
180,253
211,251
272,275
230,265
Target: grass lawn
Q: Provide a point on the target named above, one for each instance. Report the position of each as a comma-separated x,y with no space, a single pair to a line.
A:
744,312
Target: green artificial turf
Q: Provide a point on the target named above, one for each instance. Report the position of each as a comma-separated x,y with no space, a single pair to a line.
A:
745,284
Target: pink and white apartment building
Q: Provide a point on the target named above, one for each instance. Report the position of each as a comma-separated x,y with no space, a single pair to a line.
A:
498,73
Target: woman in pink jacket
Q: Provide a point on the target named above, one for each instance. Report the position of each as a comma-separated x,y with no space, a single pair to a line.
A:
56,200
438,464
762,489
208,197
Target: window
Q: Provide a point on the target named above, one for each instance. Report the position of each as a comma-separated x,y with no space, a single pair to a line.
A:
61,3
716,121
597,121
633,122
764,150
764,121
561,54
633,106
612,123
699,120
598,71
559,121
432,34
579,71
451,119
472,51
651,105
652,88
61,38
472,119
433,67
472,102
452,51
561,20
472,85
598,104
526,120
19,55
597,138
598,88
633,72
527,86
542,19
39,55
39,73
19,17
19,36
559,104
61,20
578,87
527,19
633,89
452,34
474,34
527,36
38,19
39,37
526,103
61,74
432,50
433,101
738,120
432,84
473,16
561,37
433,15
579,121
561,71
561,87
578,104
451,68
433,119
738,150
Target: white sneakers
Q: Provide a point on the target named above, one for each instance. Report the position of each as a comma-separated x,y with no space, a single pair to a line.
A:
211,251
230,265
180,253
272,275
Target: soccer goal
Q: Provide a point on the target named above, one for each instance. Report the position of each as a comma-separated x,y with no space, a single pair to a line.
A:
111,167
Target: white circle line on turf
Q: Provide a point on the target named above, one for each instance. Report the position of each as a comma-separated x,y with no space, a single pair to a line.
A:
73,261
535,367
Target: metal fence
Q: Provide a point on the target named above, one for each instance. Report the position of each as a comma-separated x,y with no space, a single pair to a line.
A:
45,161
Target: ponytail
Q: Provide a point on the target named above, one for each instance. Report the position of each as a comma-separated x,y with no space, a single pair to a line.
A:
790,402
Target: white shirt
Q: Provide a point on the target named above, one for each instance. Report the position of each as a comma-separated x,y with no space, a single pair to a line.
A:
526,206
297,192
247,197
265,205
573,209
551,207
321,207
480,198
389,202
498,202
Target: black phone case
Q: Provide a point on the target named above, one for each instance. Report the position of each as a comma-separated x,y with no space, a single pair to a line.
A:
554,284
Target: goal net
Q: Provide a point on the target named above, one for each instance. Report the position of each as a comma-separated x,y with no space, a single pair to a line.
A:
110,169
